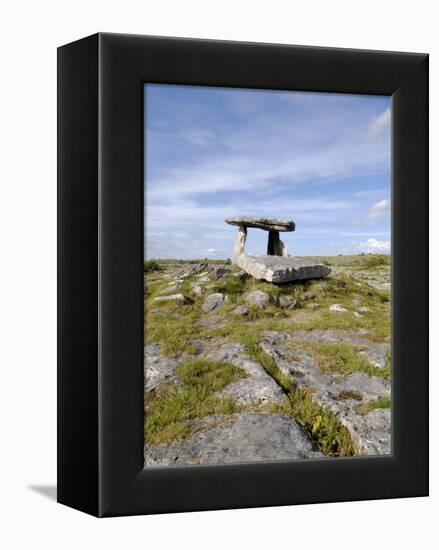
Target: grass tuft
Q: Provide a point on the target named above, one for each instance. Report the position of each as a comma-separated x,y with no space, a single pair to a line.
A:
379,403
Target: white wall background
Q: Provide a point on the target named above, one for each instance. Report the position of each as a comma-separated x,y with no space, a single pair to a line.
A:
30,33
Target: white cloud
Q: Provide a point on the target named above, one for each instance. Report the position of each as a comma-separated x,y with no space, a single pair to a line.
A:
379,210
373,245
380,125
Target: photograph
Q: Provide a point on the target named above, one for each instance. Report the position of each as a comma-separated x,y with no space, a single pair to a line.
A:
267,275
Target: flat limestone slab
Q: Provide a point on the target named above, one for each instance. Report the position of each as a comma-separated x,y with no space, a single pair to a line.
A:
247,437
280,269
268,224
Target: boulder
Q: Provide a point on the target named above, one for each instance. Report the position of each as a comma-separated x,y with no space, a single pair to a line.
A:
198,290
287,302
214,301
218,272
240,310
337,308
258,298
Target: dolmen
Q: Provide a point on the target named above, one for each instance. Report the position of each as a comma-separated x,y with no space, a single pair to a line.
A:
277,266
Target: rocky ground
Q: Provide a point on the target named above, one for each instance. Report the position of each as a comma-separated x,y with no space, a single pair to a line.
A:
241,370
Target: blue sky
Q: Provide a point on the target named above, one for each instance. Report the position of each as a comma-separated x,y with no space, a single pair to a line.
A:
322,160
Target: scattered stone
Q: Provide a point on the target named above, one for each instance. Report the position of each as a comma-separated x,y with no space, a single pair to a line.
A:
258,298
214,301
287,302
337,308
364,309
240,275
198,290
313,305
240,310
170,289
218,272
248,437
192,271
307,296
179,298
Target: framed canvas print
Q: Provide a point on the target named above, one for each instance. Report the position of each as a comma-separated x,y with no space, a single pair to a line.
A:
242,275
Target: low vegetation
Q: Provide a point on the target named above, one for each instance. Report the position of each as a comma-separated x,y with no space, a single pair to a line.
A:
168,411
176,328
151,265
345,358
380,403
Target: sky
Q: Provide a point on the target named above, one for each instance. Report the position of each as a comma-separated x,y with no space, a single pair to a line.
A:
322,160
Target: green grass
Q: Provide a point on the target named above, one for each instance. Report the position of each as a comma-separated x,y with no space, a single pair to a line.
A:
166,414
379,403
173,333
233,287
344,358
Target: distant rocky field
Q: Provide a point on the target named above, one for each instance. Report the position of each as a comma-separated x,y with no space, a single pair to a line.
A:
241,370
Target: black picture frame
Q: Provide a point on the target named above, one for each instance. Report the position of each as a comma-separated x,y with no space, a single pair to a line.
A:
100,274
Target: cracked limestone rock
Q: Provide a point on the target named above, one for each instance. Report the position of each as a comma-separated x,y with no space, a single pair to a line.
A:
258,387
248,437
371,433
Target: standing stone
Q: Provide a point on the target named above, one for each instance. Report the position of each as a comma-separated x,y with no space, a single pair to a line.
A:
239,247
275,246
